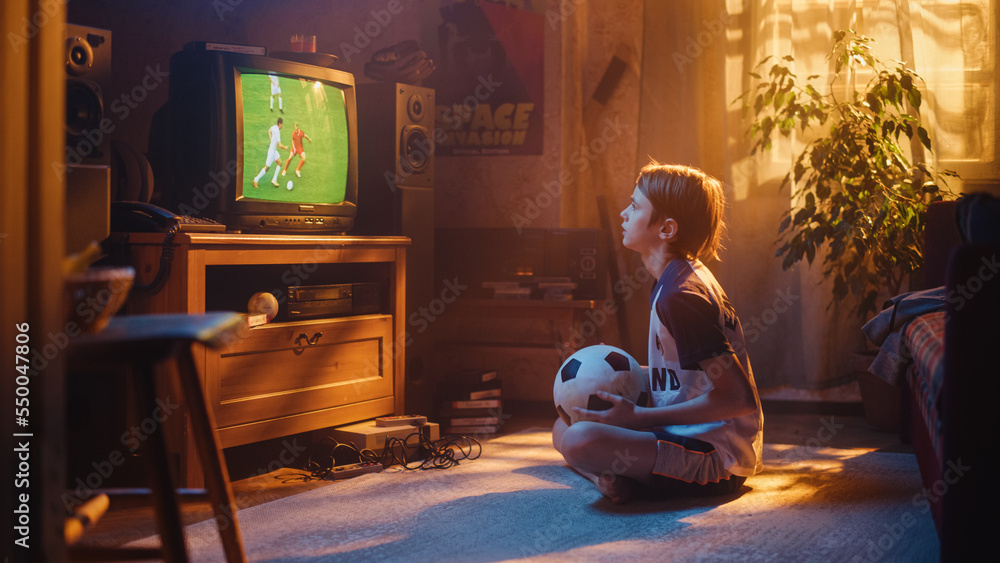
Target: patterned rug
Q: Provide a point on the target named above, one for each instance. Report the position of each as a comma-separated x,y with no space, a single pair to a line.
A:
519,501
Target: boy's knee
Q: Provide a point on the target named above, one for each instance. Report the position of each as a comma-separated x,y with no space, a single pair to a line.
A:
558,428
577,440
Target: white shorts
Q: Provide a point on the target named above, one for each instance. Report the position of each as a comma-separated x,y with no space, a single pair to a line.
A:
688,459
272,156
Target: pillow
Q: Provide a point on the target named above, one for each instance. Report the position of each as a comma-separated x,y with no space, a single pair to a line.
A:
978,218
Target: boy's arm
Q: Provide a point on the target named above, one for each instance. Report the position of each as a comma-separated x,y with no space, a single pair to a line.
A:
732,396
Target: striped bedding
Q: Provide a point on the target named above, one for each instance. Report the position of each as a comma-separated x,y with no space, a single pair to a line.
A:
924,339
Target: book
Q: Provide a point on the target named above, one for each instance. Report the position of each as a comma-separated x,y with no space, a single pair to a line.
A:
451,391
472,421
493,393
472,430
470,404
446,414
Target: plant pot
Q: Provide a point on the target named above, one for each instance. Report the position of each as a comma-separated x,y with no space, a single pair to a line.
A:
880,399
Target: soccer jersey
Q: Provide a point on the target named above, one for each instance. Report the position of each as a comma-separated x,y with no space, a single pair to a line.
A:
272,149
691,320
297,141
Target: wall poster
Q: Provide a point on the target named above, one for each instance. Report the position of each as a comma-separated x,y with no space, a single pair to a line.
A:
490,78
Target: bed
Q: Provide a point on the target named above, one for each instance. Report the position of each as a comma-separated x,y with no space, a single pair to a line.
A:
939,346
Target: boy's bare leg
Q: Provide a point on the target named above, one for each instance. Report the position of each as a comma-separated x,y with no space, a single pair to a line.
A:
615,459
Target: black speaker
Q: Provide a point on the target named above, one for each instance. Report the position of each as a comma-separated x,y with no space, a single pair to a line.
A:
396,197
88,129
88,75
395,150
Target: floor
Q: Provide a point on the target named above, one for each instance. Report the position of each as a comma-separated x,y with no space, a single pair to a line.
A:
271,470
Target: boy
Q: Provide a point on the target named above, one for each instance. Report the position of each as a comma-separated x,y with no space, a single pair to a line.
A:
702,433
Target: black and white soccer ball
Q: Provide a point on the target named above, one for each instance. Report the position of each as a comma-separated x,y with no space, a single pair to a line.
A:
597,368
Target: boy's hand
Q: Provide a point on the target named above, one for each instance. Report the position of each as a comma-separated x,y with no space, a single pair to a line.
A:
621,413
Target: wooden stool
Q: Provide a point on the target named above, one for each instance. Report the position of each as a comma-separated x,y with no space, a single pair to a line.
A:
143,342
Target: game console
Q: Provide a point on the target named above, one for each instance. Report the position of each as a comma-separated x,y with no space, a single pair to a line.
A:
368,435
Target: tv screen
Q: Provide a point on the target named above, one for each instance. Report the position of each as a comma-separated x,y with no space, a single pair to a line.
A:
262,144
295,139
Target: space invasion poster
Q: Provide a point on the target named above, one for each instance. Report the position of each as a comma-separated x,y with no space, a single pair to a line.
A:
489,79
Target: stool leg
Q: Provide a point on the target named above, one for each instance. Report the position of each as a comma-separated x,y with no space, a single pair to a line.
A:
168,514
220,490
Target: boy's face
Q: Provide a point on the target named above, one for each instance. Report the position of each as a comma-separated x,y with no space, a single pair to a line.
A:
638,234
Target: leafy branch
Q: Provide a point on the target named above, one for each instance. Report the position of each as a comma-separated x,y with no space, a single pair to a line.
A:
859,201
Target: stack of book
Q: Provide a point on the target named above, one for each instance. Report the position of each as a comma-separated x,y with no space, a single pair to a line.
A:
533,287
508,290
470,403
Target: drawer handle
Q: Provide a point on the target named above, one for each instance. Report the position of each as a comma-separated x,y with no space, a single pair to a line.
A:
310,341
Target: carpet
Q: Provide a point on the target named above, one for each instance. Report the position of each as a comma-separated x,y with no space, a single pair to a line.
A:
519,501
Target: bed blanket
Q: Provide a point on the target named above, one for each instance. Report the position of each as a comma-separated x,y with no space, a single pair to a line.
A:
885,330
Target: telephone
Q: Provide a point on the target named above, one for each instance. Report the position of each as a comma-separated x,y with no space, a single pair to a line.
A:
138,216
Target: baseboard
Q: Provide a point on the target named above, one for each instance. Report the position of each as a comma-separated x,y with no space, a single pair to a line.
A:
843,408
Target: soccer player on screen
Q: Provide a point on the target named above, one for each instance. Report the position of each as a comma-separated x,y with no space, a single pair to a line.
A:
272,153
297,149
275,91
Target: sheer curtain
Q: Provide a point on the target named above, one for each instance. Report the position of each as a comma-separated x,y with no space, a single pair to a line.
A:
696,55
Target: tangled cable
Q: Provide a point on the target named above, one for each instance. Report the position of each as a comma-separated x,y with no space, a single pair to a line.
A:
443,453
440,454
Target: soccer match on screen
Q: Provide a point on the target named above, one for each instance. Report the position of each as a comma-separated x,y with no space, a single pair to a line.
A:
295,140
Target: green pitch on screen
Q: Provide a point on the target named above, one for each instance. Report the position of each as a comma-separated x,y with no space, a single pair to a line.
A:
319,111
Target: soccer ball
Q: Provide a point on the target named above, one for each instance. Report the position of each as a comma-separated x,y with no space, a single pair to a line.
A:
289,184
597,368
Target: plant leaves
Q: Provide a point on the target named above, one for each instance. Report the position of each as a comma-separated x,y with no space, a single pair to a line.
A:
924,137
862,203
784,224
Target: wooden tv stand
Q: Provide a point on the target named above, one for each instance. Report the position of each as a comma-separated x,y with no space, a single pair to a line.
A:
288,376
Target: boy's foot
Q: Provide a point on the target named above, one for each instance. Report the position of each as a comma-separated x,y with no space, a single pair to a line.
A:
275,184
297,173
255,184
283,172
617,488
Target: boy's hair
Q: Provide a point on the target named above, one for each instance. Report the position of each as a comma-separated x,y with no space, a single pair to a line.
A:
692,198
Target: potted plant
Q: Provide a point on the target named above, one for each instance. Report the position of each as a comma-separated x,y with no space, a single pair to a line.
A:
859,187
858,198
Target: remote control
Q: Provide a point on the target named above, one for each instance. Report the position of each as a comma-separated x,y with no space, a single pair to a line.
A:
401,420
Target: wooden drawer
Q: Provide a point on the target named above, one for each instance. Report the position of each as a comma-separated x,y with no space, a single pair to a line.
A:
291,369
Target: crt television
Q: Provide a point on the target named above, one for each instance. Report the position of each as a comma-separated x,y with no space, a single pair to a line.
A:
232,121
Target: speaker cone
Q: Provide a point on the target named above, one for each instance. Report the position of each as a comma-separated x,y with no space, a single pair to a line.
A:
84,108
414,148
79,56
415,107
